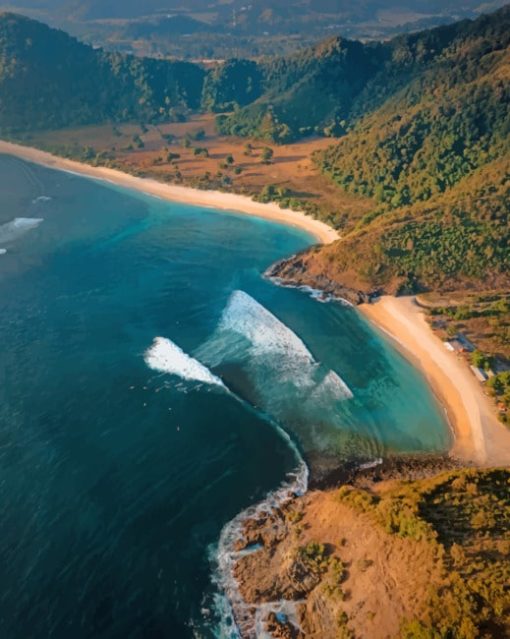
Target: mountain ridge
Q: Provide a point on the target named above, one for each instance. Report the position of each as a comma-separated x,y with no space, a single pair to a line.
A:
418,124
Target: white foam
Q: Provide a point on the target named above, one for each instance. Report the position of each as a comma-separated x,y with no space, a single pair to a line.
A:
371,464
315,293
275,352
166,357
334,386
3,251
11,231
248,618
41,198
244,315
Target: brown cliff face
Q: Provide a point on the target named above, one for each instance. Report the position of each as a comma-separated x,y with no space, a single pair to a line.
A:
353,580
310,268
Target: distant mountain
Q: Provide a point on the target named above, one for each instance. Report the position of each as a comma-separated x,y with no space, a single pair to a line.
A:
420,124
282,16
49,80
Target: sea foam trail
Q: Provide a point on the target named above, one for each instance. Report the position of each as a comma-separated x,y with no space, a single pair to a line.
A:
17,227
248,618
285,375
277,359
166,357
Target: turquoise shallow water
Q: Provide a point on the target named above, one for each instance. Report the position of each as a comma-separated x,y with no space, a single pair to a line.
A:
116,478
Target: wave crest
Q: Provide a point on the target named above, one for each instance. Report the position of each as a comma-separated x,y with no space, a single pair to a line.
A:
267,333
166,357
17,227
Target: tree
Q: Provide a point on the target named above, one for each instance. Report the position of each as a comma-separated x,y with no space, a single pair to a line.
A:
267,155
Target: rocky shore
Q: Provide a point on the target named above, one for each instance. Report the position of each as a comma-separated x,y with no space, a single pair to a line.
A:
294,562
294,273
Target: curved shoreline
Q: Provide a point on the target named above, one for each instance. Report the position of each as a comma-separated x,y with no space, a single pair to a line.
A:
232,202
479,436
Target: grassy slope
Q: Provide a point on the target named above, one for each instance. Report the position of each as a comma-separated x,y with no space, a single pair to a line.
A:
423,559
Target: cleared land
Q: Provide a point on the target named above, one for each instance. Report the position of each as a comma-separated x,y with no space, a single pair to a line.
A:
192,154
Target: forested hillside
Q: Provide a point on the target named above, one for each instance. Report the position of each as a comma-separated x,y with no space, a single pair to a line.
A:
309,92
50,80
458,239
328,88
431,146
419,124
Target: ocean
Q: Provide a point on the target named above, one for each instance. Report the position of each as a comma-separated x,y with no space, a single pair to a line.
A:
153,385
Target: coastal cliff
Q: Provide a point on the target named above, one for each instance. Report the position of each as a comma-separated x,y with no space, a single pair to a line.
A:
305,270
384,559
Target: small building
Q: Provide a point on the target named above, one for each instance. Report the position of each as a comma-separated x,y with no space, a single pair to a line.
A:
479,373
457,346
468,346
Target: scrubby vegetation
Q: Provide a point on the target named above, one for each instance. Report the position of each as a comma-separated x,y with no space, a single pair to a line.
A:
465,516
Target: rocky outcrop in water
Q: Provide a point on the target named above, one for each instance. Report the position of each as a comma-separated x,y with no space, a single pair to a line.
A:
294,272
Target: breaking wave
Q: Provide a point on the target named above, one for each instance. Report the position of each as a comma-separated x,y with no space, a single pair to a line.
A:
278,364
166,357
269,369
17,227
266,333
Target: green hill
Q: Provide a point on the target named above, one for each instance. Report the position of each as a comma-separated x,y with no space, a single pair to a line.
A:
328,88
422,128
457,240
49,80
431,147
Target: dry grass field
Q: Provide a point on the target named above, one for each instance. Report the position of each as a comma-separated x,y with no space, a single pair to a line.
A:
193,154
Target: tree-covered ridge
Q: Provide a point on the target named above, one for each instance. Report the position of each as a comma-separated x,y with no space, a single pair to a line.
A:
50,80
233,84
449,120
455,240
431,147
309,92
327,89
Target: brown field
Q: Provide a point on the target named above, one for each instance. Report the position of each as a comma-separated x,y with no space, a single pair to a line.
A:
291,167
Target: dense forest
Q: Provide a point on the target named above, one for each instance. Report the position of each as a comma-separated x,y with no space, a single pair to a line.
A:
420,124
50,80
428,141
328,88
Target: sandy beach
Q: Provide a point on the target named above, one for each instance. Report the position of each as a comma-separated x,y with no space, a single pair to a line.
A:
479,435
210,199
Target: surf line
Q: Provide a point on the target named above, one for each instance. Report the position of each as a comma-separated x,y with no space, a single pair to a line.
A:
164,356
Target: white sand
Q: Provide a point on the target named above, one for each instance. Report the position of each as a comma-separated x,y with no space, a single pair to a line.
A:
211,199
479,435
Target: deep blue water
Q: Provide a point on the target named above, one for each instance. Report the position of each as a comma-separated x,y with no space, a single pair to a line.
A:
116,479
